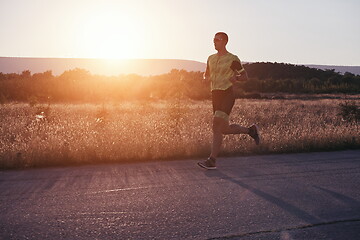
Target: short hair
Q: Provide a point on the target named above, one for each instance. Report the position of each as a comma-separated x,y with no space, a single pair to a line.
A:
223,35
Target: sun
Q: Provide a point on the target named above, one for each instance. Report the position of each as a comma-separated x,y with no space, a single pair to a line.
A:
110,36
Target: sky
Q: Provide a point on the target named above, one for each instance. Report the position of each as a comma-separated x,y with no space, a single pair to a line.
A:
290,31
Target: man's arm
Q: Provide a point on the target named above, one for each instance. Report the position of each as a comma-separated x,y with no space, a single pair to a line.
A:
243,76
240,73
207,72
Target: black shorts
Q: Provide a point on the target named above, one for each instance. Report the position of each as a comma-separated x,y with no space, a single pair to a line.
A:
223,100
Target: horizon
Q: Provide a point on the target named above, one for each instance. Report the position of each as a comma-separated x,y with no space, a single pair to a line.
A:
296,32
176,59
114,67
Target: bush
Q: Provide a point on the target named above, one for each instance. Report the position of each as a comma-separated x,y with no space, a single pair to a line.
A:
350,112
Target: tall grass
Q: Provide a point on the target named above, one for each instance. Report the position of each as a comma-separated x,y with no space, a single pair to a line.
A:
33,136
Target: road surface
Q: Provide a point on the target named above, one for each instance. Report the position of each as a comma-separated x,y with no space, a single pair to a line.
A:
292,196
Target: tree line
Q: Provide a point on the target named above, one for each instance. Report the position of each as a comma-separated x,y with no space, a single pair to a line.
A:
79,85
289,78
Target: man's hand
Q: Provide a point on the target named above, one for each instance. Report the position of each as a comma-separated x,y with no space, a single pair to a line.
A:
233,79
239,78
206,78
242,77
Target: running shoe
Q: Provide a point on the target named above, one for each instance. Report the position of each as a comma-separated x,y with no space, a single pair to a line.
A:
209,163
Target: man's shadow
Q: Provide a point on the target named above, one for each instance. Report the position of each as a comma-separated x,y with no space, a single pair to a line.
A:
299,213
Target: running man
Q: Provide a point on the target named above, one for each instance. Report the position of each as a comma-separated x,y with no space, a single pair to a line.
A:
223,70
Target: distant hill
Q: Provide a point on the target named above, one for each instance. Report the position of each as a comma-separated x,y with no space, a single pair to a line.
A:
143,67
341,69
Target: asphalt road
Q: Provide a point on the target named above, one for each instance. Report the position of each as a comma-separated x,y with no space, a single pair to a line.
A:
293,196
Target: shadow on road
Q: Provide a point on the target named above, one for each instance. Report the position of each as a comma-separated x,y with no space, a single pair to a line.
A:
351,203
299,213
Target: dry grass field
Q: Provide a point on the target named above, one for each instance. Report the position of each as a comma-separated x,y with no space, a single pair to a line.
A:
67,134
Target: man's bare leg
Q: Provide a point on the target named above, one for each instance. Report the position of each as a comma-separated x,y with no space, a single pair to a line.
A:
236,129
220,127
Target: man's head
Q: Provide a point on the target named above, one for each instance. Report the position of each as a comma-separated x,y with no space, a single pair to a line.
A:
220,40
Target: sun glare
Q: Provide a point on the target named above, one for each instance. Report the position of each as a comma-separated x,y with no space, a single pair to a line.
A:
109,36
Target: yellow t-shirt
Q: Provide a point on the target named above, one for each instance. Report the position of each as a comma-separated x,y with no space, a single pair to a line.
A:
219,71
